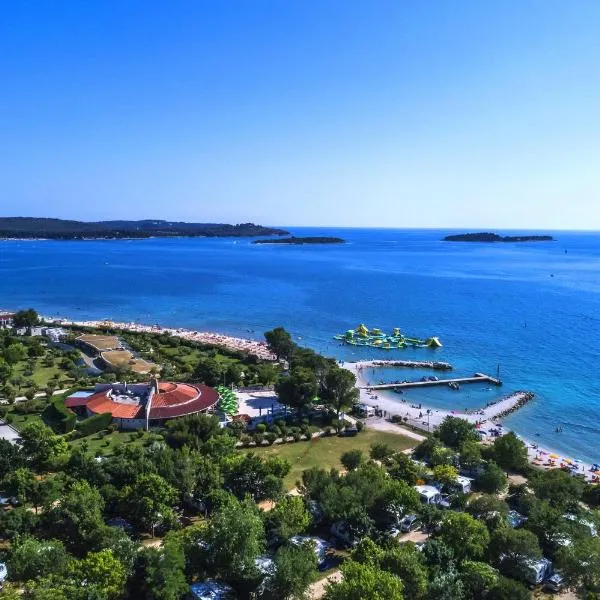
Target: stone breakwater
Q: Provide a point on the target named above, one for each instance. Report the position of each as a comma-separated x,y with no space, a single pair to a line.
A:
410,364
518,400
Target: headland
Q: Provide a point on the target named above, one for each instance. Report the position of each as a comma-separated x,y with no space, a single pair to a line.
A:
27,228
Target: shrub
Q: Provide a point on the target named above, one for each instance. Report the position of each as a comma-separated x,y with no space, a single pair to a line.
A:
259,438
297,436
270,437
261,427
95,424
62,418
360,425
245,439
351,459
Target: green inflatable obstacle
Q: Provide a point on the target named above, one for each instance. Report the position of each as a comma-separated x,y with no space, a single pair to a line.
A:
377,338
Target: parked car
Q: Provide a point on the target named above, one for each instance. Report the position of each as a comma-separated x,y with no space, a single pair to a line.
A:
555,583
410,523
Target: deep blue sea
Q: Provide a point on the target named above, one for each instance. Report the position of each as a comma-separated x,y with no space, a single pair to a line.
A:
532,308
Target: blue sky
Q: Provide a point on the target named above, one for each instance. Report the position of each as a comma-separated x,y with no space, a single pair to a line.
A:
396,114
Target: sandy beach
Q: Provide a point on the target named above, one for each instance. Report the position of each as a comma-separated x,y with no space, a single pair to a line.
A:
258,349
428,418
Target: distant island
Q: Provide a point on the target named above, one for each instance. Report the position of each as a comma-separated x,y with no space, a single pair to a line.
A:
27,228
302,240
494,237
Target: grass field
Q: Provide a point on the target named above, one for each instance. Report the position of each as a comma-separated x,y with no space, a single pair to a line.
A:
41,375
100,342
124,359
325,452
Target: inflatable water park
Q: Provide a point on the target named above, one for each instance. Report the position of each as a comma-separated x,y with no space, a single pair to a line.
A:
376,338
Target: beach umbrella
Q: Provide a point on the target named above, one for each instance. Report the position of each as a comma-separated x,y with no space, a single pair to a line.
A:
554,456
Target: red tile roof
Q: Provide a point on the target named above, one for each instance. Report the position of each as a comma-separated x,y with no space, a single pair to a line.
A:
100,402
173,400
178,399
74,401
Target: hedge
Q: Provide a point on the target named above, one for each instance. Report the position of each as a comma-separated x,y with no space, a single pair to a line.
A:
61,417
94,424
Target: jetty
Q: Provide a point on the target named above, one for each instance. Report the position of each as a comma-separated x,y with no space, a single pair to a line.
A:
409,364
477,378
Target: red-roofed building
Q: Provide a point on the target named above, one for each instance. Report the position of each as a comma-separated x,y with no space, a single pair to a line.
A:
142,405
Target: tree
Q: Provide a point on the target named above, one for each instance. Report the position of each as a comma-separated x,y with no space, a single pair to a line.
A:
103,571
20,483
165,575
511,550
580,564
30,558
508,589
381,451
467,537
250,474
510,452
148,502
339,389
367,552
404,468
470,455
18,521
14,353
352,459
362,581
209,370
76,517
295,569
25,318
445,474
236,537
489,509
406,562
40,443
492,480
559,488
289,517
454,432
297,389
280,343
478,578
5,371
446,585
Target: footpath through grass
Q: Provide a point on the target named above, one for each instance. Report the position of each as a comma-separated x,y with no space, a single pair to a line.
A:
325,452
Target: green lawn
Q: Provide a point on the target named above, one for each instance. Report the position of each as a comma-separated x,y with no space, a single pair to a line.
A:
108,442
41,375
325,452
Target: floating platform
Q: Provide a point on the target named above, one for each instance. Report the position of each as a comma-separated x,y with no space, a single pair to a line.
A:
376,338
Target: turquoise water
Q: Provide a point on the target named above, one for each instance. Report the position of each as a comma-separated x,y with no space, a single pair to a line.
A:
533,309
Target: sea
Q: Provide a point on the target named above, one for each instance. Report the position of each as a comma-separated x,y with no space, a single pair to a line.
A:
529,312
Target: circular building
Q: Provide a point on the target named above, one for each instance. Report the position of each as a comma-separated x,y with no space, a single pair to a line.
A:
143,405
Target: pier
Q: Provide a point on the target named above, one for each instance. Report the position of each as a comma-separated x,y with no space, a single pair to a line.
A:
477,378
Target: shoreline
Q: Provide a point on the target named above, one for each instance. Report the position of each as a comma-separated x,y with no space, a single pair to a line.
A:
236,344
427,418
